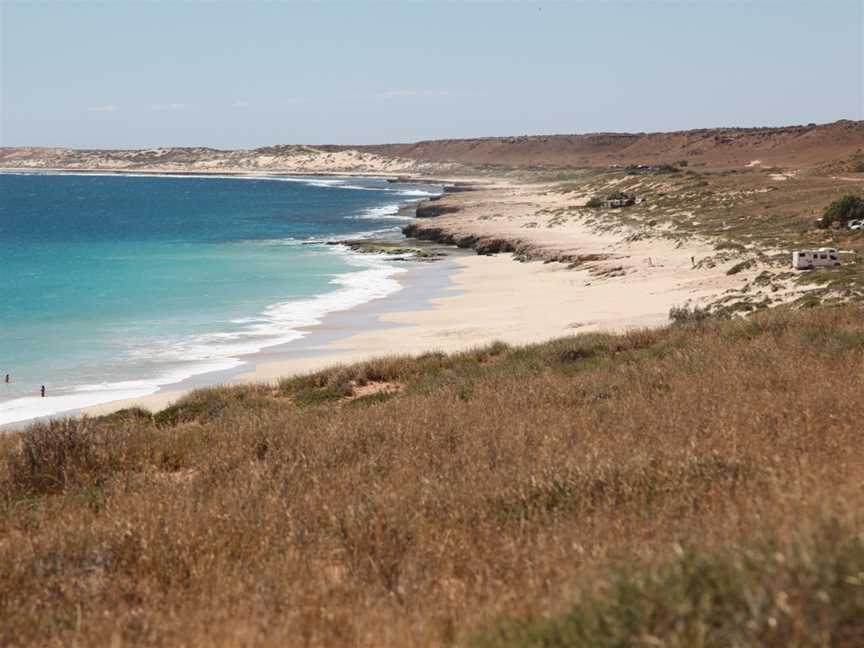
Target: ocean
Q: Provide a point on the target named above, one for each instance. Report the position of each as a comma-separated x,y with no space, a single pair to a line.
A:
112,286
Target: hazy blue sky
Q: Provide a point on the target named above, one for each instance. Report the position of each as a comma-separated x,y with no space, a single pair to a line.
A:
244,74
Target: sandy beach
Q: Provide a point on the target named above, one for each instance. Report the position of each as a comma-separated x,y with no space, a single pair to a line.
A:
604,281
497,299
526,263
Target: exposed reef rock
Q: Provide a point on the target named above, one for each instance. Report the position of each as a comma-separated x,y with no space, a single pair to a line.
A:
459,188
426,210
521,250
387,247
480,244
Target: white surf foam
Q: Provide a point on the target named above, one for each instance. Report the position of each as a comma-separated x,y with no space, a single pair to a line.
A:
386,212
417,192
34,407
83,396
277,324
282,322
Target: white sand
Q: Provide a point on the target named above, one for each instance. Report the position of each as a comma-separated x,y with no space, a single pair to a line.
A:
632,283
497,298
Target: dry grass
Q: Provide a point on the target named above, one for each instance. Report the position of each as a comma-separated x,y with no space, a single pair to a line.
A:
747,206
756,216
693,486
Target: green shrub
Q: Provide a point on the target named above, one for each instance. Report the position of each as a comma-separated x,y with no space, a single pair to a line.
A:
74,453
212,403
740,267
841,211
689,314
807,594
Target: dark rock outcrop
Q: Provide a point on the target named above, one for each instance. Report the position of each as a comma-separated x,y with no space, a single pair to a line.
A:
425,210
480,244
459,188
493,245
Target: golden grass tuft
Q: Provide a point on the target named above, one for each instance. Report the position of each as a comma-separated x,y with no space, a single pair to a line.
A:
597,490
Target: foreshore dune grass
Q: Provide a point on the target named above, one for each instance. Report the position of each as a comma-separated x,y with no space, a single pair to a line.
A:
756,216
698,485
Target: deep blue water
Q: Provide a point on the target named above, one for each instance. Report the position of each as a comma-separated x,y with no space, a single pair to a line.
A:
113,285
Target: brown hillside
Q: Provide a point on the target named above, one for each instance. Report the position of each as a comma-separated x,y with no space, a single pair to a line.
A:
795,146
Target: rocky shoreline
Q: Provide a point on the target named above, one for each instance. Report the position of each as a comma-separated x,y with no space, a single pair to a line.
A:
427,227
393,248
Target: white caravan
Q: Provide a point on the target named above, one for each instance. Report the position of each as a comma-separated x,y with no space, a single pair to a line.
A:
821,258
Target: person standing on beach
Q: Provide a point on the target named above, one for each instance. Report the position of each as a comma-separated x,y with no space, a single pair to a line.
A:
8,378
43,391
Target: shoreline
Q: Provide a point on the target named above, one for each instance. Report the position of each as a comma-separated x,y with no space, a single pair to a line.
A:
316,349
487,298
65,404
536,275
571,279
419,282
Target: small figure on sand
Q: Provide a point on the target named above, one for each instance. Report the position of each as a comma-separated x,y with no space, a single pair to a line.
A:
43,391
8,378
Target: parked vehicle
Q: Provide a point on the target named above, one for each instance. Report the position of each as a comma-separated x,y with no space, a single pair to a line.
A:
821,258
855,224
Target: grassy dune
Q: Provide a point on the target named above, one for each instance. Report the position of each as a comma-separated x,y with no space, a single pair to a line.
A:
756,216
693,486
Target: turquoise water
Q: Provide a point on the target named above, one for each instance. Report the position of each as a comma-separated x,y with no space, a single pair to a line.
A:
112,286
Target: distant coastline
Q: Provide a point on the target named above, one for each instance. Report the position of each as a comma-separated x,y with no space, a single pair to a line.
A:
718,147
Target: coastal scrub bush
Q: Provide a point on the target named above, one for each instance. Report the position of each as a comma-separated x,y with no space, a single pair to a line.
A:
319,395
689,314
809,593
849,207
741,266
68,453
207,404
730,245
50,455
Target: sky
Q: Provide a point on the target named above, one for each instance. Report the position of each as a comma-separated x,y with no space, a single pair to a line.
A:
128,74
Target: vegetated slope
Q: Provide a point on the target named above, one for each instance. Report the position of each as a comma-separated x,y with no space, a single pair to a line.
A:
697,485
795,146
272,159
